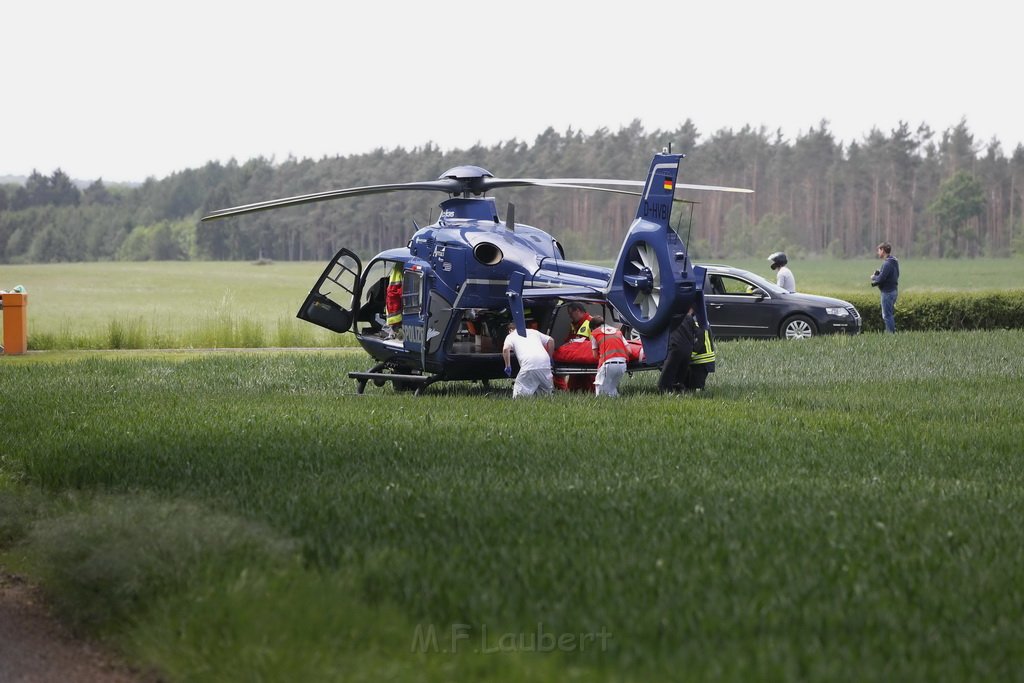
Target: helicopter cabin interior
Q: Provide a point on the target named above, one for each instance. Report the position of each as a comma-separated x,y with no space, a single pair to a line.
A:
480,330
484,330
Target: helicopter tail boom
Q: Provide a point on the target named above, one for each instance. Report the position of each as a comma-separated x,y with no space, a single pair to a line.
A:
653,279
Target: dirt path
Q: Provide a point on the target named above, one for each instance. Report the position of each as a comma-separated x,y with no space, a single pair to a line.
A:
36,648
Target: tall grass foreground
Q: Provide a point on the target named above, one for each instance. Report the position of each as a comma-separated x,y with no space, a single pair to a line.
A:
842,509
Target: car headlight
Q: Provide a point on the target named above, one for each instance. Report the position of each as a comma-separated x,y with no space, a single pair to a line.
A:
838,312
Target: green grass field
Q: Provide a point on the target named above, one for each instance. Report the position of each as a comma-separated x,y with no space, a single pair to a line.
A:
168,305
840,509
229,305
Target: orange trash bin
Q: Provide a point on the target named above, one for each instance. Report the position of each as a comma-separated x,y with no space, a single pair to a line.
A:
15,311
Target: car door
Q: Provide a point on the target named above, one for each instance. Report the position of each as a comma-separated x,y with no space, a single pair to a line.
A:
738,307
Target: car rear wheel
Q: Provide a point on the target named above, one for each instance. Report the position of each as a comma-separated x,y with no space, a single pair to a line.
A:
798,327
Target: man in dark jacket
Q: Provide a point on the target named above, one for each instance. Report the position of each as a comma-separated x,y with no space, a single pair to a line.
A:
702,360
887,280
677,360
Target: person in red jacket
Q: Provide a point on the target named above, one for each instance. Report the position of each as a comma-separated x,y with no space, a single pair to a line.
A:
568,352
609,348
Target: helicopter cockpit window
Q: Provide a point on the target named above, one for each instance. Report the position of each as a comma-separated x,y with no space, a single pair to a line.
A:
412,292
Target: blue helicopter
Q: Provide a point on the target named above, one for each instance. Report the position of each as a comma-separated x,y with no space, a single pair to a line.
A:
465,277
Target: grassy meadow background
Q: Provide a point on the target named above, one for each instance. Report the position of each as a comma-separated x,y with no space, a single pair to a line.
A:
844,508
168,304
239,304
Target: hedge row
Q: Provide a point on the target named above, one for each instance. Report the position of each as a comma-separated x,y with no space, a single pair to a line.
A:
945,310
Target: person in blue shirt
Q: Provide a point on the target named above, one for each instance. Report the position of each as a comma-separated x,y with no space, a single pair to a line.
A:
887,280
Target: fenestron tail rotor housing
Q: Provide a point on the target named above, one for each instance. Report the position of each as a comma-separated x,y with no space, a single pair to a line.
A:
642,280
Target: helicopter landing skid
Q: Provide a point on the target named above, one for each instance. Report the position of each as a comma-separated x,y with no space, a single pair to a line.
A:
574,369
414,383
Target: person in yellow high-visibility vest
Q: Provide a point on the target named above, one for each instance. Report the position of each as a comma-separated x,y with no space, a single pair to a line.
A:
702,359
393,303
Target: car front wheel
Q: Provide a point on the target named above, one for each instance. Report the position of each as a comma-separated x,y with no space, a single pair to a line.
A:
798,327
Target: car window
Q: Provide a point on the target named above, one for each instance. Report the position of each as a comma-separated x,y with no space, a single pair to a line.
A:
729,285
733,285
722,284
770,287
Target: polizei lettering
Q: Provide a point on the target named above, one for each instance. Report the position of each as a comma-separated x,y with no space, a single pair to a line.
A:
414,333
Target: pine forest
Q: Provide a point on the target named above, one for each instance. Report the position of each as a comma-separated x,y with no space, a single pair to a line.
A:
931,194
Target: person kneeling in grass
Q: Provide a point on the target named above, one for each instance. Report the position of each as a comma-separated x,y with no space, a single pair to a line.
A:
610,351
533,351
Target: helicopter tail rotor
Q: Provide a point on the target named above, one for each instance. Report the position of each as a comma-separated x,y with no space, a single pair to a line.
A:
653,277
642,279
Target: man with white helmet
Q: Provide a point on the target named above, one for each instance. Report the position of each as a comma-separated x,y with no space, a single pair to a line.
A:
784,278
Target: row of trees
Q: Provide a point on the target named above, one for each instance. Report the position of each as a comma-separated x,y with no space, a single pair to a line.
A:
938,195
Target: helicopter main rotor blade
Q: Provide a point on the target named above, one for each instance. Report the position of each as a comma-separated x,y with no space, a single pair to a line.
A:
492,183
589,183
444,185
611,190
586,187
453,186
713,188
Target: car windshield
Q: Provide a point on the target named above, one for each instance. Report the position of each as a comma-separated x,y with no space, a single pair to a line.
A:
771,287
736,281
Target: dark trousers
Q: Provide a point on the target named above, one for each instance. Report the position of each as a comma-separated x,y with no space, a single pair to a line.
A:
673,370
696,377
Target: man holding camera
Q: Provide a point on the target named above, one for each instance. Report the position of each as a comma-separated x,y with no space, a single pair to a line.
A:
887,279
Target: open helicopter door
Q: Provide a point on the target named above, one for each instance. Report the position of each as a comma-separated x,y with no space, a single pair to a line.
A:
333,302
425,313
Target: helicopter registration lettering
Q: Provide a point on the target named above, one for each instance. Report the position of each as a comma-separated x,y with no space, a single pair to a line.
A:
658,210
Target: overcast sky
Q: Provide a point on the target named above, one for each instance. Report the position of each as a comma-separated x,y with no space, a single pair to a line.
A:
128,90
